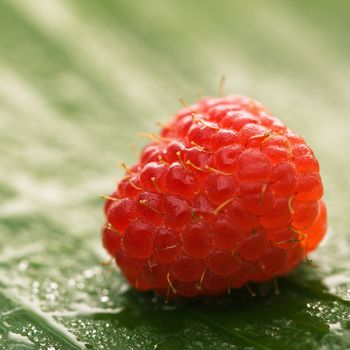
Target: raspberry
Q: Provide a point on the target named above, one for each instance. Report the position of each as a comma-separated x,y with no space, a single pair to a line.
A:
225,195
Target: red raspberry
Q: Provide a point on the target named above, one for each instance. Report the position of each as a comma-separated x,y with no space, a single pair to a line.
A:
226,196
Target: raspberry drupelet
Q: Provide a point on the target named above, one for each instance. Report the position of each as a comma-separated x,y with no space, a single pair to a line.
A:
225,195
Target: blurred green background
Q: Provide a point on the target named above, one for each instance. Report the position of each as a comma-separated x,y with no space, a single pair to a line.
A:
78,80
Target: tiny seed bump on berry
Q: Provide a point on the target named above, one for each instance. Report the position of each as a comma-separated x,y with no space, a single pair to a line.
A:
196,240
138,239
220,188
187,269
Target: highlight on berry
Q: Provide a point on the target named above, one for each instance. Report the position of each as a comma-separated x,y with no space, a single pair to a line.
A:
224,195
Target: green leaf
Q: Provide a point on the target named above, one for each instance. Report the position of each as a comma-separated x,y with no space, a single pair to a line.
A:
78,81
